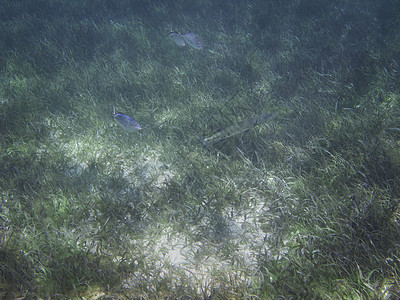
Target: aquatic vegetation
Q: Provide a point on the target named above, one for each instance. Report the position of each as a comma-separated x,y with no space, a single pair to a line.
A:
304,206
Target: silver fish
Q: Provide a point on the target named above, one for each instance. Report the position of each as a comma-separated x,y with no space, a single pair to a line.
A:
126,122
193,40
177,38
237,128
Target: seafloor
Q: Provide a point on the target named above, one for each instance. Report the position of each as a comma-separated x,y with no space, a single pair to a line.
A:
213,198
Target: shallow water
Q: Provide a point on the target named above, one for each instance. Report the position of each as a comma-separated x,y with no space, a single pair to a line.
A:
285,209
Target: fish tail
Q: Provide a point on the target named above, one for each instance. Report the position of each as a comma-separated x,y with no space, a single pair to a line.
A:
202,141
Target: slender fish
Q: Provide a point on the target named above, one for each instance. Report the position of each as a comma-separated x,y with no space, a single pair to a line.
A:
238,128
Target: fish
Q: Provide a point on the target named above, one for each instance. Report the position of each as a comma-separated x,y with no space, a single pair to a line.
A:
238,128
126,122
177,38
193,40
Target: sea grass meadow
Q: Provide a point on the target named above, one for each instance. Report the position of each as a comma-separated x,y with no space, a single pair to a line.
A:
304,206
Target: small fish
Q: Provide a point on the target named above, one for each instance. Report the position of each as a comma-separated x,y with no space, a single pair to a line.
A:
177,38
238,128
126,122
193,40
